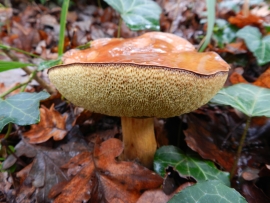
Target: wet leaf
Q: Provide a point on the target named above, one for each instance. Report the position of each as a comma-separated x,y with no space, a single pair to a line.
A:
247,98
98,177
187,165
208,191
44,172
8,65
138,14
52,125
21,109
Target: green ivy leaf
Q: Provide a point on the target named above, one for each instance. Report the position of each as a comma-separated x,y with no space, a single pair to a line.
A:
187,165
8,65
251,36
262,53
22,108
138,14
249,99
259,46
208,191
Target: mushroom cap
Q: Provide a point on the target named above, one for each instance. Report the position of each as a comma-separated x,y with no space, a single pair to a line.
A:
154,75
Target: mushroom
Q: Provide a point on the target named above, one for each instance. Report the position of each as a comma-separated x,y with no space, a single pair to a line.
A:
153,75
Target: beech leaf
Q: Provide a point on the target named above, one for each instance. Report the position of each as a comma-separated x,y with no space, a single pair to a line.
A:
21,108
187,165
138,14
52,124
208,191
99,177
249,99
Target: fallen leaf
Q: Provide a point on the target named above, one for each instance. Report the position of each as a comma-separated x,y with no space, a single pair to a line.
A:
44,172
241,21
261,11
52,125
236,78
235,48
264,79
98,177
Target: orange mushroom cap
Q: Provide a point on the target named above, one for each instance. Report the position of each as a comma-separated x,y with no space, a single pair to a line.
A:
156,74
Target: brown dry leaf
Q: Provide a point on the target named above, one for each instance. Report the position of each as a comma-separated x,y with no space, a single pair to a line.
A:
206,134
158,196
37,178
235,48
100,178
241,21
236,78
52,124
264,79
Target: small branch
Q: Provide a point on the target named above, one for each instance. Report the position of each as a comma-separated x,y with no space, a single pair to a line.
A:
241,144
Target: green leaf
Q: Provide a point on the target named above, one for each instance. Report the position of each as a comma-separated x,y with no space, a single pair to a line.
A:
249,99
262,53
138,14
47,64
22,108
187,165
251,36
8,65
208,191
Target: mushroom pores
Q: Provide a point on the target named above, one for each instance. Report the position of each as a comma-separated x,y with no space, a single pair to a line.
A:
151,80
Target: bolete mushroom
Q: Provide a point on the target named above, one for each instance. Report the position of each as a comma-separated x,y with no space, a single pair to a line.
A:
153,75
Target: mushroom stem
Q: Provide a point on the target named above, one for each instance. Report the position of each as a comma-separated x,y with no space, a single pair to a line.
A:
139,140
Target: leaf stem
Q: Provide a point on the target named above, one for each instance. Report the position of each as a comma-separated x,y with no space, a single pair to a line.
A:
240,147
8,131
119,27
211,16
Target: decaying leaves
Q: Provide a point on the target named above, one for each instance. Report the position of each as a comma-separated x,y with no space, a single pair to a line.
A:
241,21
52,125
99,177
262,81
44,172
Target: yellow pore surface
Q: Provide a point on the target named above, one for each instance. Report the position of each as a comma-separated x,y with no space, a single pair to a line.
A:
133,90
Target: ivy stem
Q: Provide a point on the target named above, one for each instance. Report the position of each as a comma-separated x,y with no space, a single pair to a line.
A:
8,131
41,82
119,28
240,147
23,85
